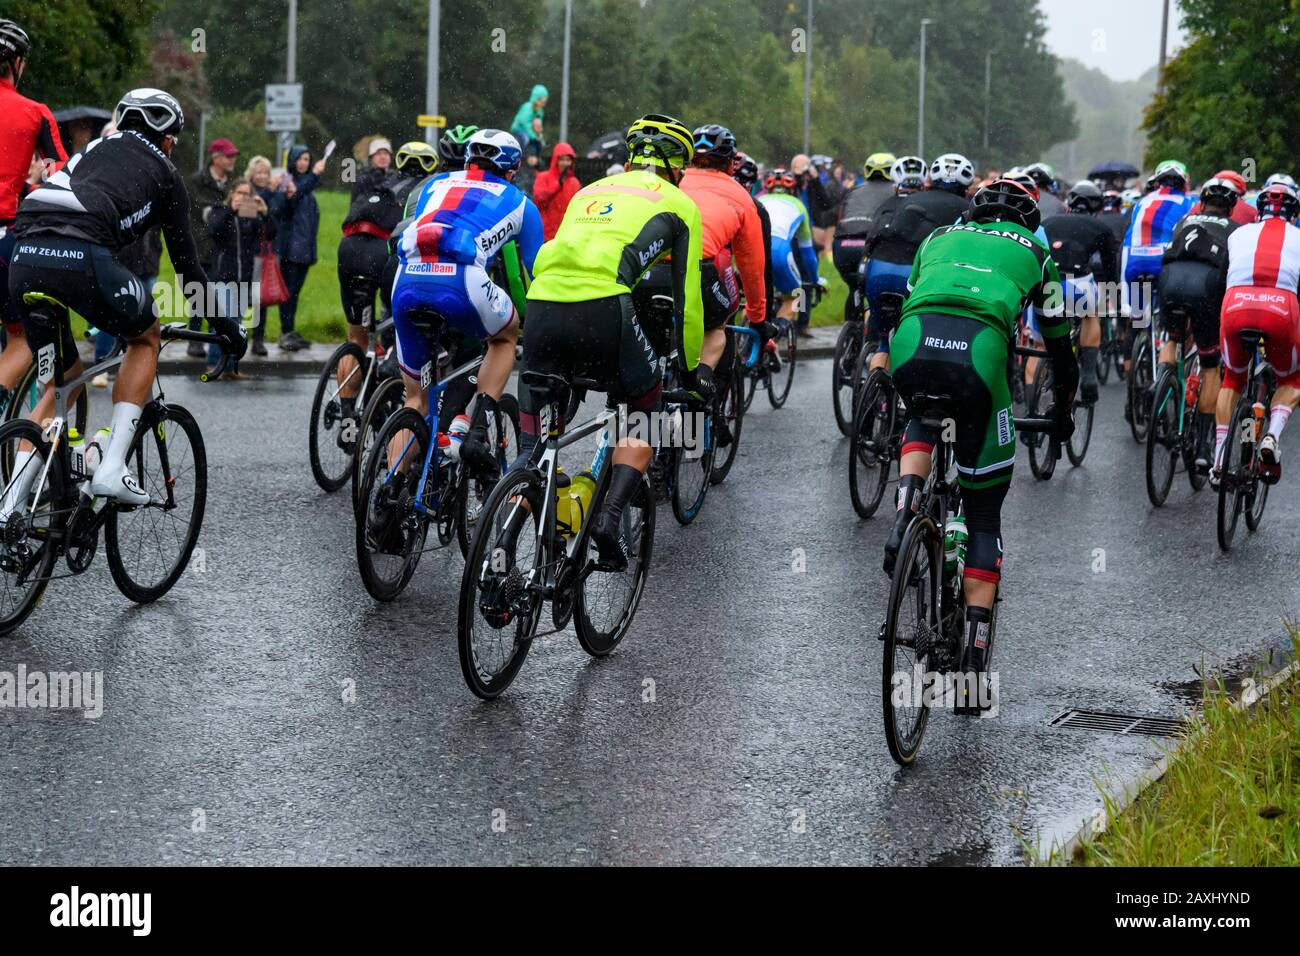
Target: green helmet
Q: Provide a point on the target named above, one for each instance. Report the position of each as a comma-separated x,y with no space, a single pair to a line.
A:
451,146
1172,172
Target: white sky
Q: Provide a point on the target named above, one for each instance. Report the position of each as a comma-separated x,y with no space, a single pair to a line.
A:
1119,37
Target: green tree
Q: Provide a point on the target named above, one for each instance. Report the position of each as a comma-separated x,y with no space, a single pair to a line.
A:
1229,98
83,53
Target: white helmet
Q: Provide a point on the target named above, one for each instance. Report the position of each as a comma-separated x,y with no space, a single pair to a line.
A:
952,169
495,147
1282,178
908,172
157,109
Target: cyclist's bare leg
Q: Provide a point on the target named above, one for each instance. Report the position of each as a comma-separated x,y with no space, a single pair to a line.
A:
1090,332
418,399
348,377
1210,382
15,358
715,343
499,361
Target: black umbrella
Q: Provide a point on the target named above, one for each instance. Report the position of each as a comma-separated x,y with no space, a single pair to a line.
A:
612,147
1114,170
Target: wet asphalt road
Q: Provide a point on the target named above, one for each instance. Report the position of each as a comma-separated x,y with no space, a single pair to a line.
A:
226,736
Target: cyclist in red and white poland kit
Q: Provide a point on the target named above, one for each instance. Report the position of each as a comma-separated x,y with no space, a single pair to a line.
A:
1263,274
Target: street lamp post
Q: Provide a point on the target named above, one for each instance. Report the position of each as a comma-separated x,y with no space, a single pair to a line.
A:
807,84
564,78
920,107
431,80
285,140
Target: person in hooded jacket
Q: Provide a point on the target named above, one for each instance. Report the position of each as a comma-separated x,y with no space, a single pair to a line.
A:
527,124
237,230
554,187
295,240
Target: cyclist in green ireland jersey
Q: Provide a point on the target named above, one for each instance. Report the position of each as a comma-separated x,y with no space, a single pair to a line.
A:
969,284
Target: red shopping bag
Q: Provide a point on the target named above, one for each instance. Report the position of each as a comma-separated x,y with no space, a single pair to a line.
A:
267,273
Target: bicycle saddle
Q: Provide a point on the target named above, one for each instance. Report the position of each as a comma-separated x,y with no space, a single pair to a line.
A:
1251,338
933,409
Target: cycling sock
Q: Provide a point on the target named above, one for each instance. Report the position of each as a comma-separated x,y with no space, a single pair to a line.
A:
125,419
1277,419
1220,439
1088,364
27,466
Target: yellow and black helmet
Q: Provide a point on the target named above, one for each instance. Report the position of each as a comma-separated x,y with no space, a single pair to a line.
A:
660,140
416,157
878,165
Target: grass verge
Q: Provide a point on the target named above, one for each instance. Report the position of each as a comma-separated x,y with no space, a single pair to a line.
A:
1231,796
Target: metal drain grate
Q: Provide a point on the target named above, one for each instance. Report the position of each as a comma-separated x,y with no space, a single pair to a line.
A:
1120,723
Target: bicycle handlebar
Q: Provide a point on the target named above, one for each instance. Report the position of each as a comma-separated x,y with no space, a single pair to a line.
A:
179,331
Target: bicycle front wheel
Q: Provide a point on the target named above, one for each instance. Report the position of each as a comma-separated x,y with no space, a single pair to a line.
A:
1041,460
1163,440
693,466
501,585
1139,388
911,634
390,529
332,435
607,600
30,548
730,415
778,383
149,547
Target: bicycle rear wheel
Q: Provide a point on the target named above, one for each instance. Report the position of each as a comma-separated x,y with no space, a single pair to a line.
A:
607,600
30,548
499,609
390,531
778,383
149,547
386,399
871,444
332,435
911,633
1236,475
1104,353
847,346
1163,438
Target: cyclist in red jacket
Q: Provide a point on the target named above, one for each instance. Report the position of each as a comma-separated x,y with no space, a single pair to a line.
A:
27,129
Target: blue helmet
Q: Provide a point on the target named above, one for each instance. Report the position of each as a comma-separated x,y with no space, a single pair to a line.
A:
495,148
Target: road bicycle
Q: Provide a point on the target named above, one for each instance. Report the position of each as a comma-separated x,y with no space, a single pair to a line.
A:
525,555
1177,431
1242,489
772,375
923,630
333,433
846,372
1111,353
875,442
404,492
743,353
148,546
1039,398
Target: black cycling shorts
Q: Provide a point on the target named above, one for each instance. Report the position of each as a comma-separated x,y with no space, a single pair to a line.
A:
600,340
719,293
87,279
847,253
1194,289
362,259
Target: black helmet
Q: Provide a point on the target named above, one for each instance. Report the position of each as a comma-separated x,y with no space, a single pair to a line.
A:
1084,196
714,146
14,42
451,146
1043,176
744,170
1112,201
149,111
1220,193
1005,200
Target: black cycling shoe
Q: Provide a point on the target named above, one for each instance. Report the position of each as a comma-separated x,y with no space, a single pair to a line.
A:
607,531
1088,393
724,436
347,417
973,660
383,523
476,450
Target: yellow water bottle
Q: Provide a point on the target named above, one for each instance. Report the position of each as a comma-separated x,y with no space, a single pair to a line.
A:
563,511
580,493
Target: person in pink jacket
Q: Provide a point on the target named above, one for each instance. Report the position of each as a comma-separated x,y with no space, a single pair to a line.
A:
554,188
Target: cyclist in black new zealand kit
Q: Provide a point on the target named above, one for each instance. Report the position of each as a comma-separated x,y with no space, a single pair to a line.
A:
69,230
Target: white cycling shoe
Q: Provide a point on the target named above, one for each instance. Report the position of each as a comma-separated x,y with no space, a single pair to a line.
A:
119,484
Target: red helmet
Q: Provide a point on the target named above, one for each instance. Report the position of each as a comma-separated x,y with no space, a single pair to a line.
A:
1238,183
779,177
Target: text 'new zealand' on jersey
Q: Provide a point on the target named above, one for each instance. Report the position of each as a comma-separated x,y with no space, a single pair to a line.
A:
466,217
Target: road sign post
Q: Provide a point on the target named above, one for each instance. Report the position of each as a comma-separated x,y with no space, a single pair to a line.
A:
283,113
430,121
